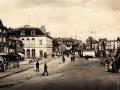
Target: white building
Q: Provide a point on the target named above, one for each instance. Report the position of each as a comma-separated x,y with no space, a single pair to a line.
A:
37,43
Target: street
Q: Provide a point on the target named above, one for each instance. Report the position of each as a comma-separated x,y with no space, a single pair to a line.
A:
78,75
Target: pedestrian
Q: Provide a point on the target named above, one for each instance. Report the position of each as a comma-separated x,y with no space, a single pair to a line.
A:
107,65
7,64
63,58
18,65
116,66
45,70
68,55
2,67
113,66
37,66
71,58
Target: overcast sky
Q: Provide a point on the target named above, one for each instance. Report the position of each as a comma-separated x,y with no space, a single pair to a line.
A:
65,18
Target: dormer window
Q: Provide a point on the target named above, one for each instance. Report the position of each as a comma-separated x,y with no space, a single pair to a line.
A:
22,32
33,32
23,39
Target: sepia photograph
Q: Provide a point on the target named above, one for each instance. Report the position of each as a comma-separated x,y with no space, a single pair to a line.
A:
59,44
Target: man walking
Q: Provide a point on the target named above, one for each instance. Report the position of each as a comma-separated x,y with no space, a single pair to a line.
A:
45,69
63,58
71,58
37,66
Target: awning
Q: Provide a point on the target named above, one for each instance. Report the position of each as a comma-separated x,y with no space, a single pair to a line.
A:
22,55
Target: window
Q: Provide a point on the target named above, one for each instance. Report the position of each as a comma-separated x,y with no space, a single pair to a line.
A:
33,53
4,39
33,41
28,41
22,39
28,53
40,42
22,32
41,53
33,32
23,51
0,39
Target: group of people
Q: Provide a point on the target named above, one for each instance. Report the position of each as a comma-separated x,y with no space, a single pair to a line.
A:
72,58
45,68
112,65
4,64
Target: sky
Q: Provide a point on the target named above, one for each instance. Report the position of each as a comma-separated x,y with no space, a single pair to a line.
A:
65,18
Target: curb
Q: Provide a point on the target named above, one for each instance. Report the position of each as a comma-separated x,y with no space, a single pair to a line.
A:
15,72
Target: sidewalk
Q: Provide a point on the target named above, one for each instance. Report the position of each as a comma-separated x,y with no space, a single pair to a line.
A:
24,65
14,71
54,64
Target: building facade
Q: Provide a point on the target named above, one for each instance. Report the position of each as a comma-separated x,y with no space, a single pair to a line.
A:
37,43
112,44
3,39
15,45
10,44
66,45
109,44
91,43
